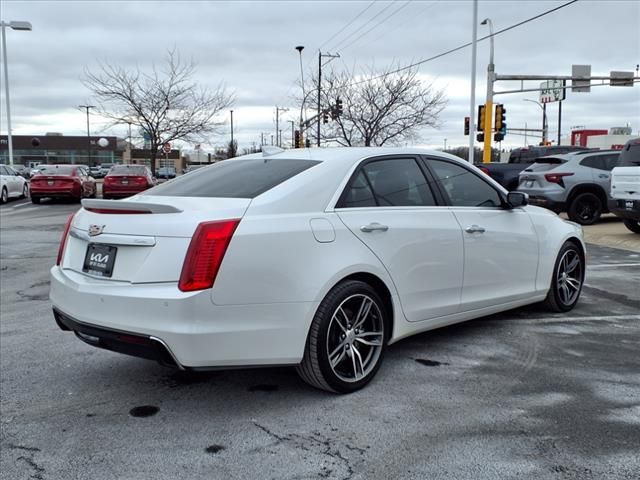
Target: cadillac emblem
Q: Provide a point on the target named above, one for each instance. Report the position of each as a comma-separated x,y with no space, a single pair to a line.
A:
95,230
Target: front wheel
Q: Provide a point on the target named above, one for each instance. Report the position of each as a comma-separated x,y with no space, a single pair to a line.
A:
25,191
633,225
4,196
585,209
568,277
346,340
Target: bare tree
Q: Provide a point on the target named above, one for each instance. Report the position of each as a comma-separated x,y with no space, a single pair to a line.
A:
166,103
379,109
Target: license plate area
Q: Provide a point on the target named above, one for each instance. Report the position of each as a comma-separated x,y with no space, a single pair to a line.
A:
99,259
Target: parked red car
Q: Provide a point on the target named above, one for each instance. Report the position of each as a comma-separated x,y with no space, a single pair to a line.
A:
126,180
62,181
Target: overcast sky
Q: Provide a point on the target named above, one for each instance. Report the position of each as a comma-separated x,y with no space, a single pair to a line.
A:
249,46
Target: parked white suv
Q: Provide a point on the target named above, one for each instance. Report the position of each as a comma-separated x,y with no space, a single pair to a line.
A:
12,184
625,186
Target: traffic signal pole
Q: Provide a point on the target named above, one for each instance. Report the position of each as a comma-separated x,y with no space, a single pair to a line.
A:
488,105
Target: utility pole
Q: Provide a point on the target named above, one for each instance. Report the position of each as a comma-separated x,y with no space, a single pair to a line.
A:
293,123
87,107
278,110
320,55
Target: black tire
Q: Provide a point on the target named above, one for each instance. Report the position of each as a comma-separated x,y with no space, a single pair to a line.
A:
564,291
633,225
585,209
25,191
35,200
327,333
4,196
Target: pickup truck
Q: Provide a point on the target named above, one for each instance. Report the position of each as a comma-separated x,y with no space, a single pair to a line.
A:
507,174
625,186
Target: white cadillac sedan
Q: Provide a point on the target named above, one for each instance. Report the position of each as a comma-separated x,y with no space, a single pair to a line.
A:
316,258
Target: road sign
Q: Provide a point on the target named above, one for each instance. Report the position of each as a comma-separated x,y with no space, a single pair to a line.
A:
579,72
621,79
551,91
166,148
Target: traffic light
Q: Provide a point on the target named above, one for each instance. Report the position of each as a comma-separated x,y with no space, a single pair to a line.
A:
481,120
498,137
480,137
466,125
500,124
296,139
325,116
339,106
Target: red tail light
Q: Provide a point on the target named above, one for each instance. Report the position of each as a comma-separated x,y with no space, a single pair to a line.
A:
63,240
557,177
108,180
205,254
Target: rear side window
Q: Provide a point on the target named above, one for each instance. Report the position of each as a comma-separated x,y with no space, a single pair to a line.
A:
234,178
396,182
601,162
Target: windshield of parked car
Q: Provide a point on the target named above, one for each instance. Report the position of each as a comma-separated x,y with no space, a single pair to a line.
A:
234,178
127,170
57,170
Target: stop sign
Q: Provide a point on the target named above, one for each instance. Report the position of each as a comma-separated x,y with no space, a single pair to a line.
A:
166,148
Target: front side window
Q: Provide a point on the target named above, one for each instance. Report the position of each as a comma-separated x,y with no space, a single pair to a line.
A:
463,187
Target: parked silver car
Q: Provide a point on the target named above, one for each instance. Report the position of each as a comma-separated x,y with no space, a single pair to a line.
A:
576,183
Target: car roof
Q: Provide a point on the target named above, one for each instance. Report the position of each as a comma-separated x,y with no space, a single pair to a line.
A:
347,154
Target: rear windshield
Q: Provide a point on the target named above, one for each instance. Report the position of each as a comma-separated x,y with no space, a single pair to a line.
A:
57,170
127,170
552,160
630,155
234,178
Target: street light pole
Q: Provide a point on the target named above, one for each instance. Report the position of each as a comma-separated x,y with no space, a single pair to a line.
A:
299,48
472,101
87,107
545,124
488,106
320,55
14,25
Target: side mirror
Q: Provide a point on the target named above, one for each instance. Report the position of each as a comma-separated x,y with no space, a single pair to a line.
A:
517,199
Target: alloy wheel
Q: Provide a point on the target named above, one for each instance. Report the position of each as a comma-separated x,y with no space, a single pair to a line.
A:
569,277
355,338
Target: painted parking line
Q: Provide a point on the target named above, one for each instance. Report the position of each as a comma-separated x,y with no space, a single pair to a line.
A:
24,204
613,265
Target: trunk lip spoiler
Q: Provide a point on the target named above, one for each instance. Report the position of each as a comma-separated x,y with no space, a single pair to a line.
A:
92,203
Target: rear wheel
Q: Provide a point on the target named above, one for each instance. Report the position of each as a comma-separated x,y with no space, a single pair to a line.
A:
585,208
346,340
4,196
568,276
25,191
633,225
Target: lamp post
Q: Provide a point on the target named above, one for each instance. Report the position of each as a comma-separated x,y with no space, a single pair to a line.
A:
472,96
545,125
320,56
488,105
299,48
14,25
87,107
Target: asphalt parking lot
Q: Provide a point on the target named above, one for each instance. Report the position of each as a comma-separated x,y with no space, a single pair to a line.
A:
524,394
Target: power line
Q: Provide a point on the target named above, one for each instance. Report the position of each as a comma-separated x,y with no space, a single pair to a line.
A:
357,30
377,24
440,55
348,24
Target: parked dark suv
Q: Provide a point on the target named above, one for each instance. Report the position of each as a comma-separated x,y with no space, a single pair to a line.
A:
625,186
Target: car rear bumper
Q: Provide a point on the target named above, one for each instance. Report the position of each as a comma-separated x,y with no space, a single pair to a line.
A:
195,333
121,192
55,192
627,209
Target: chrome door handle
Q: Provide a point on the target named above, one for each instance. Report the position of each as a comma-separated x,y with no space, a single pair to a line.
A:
374,226
474,229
